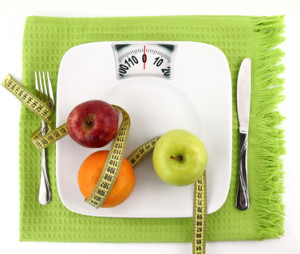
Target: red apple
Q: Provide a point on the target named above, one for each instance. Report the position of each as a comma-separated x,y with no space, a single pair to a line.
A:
93,123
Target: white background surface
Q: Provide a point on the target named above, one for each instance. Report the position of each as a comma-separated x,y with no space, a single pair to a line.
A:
12,18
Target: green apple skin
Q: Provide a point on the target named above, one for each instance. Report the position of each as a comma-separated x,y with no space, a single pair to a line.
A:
179,157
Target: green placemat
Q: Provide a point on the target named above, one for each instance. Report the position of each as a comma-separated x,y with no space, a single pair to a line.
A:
46,40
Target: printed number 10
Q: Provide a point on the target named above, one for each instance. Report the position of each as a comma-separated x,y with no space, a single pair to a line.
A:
158,61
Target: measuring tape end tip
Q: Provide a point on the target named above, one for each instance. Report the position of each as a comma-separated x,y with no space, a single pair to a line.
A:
6,79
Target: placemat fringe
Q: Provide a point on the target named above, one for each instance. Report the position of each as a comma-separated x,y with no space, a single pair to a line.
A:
270,148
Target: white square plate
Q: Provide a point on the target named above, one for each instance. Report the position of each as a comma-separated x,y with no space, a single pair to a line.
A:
197,98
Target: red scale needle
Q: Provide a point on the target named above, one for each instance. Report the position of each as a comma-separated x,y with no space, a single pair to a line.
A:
144,57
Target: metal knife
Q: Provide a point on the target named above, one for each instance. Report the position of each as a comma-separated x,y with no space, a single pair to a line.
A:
243,109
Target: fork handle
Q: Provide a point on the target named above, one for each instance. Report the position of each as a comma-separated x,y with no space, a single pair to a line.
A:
44,190
243,200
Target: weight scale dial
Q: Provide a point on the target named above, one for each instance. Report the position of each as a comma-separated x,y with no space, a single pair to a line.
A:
144,59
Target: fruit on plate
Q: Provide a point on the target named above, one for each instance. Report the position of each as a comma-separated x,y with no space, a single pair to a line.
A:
179,157
93,123
89,174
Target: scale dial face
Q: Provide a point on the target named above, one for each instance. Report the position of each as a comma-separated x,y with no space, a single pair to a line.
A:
144,59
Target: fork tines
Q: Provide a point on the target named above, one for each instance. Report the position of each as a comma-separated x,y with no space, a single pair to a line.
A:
43,92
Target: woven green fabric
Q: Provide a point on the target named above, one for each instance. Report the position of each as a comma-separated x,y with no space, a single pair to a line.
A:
46,39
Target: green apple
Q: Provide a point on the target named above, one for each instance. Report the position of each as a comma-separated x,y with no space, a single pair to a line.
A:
179,157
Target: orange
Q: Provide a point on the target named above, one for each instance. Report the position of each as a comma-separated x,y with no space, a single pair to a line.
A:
89,174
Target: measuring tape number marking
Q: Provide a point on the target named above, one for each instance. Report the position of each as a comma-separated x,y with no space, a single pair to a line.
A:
42,141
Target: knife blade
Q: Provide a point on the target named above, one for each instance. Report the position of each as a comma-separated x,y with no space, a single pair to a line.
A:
243,110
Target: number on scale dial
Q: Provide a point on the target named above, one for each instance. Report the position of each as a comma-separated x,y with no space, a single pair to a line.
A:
144,60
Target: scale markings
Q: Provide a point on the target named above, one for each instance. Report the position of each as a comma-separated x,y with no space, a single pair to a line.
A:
155,55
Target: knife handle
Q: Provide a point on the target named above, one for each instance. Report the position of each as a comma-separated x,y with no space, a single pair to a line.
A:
242,200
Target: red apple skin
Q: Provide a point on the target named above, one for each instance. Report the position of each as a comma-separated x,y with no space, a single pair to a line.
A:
93,123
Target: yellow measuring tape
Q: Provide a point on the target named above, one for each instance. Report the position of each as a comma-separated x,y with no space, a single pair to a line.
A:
199,215
112,164
199,204
38,107
114,158
140,152
28,99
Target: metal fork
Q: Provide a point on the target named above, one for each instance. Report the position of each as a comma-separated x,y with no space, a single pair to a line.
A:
45,94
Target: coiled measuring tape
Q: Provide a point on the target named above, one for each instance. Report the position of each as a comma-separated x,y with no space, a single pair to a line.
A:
114,159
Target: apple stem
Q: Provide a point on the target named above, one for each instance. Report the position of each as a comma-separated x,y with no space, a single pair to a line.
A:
90,120
178,158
